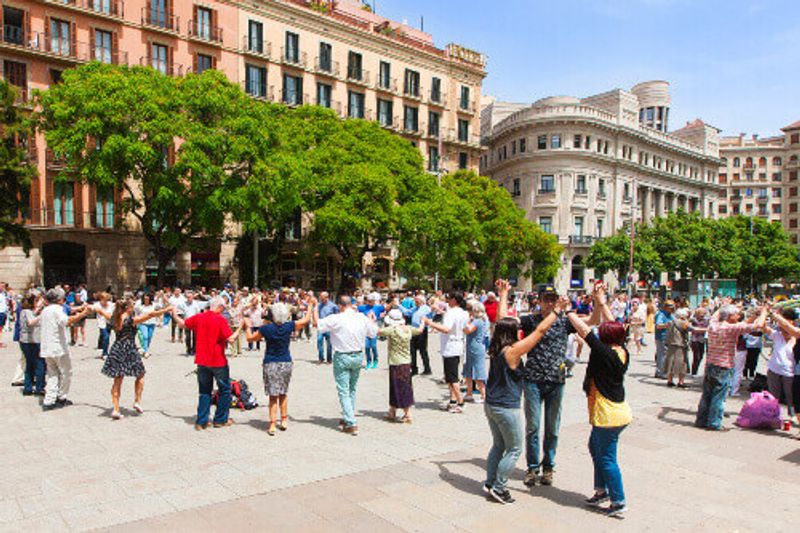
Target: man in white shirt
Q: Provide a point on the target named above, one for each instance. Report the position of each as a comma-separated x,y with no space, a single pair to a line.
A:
5,306
190,307
349,330
452,346
176,301
55,348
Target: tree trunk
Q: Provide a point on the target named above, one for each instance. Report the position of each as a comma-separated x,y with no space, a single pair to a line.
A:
164,257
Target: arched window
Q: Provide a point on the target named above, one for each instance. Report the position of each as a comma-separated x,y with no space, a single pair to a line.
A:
724,161
748,163
762,162
777,161
736,162
576,277
793,158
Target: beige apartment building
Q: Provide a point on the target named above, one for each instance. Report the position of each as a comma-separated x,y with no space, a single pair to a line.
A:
583,167
336,54
759,178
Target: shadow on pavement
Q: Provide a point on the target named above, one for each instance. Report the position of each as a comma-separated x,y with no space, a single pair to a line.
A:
190,419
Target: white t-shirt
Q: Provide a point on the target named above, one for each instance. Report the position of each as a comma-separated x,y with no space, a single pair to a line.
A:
349,330
176,302
53,331
141,309
452,344
102,321
782,360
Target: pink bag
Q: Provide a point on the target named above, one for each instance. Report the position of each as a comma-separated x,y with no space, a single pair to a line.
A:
761,411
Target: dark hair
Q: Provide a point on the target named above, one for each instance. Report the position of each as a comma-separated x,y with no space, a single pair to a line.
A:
120,306
612,333
789,314
506,333
147,295
458,296
29,302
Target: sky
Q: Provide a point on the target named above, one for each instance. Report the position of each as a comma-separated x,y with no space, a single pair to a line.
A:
733,63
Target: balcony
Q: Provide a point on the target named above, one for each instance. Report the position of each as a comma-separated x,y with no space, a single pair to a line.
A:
763,198
293,99
390,123
601,196
54,162
203,32
452,137
386,86
160,20
118,57
360,77
63,49
411,95
581,191
437,100
295,60
546,191
170,69
258,91
581,240
467,107
326,68
107,8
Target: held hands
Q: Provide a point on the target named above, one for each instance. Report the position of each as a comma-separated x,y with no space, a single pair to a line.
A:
503,286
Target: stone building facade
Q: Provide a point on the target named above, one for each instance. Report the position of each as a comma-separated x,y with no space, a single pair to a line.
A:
583,167
331,53
759,176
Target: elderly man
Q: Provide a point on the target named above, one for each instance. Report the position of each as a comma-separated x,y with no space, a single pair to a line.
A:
663,318
326,308
211,336
724,330
349,331
187,309
53,324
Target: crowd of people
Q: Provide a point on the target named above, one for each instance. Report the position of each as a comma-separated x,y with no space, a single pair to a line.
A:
511,352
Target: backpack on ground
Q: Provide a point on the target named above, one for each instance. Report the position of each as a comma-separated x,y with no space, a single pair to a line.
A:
241,397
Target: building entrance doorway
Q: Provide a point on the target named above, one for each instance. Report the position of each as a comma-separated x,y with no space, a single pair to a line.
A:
64,262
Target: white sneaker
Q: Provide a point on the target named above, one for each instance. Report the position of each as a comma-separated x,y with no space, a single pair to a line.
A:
478,400
469,398
116,415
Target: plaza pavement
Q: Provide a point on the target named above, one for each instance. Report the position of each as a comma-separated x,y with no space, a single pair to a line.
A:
76,469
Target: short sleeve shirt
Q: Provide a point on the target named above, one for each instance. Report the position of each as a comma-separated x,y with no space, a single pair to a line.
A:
277,338
662,318
546,359
211,338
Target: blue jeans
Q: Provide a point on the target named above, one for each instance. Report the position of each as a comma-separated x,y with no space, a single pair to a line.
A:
607,477
536,394
506,431
324,339
105,338
661,358
346,369
371,348
205,383
146,332
167,318
716,384
34,367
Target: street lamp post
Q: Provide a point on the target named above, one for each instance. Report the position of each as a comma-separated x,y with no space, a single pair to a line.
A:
633,238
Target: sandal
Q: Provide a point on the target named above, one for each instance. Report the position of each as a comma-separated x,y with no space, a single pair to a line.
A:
406,420
271,430
138,408
116,415
282,425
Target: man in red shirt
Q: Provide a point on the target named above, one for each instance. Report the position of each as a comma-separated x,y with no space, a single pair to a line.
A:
491,307
212,335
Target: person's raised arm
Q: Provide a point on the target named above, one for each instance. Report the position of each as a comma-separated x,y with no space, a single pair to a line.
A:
441,328
79,316
181,323
300,324
581,327
786,325
147,316
515,352
100,311
503,287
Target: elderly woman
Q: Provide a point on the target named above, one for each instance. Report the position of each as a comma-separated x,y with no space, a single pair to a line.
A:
609,414
638,317
401,392
30,342
277,369
782,362
475,365
677,342
698,328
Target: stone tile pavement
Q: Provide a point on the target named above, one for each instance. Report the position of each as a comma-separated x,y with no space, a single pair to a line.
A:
76,469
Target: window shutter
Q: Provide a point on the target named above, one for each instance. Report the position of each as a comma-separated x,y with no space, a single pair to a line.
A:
92,208
194,63
194,24
92,53
115,55
49,215
27,24
169,61
47,33
117,210
73,39
214,62
36,200
171,156
77,195
262,75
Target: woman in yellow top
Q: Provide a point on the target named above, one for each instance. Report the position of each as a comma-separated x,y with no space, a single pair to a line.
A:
608,412
401,392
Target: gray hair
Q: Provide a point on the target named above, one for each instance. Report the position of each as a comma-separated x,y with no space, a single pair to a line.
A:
54,296
478,309
280,313
216,302
682,313
728,311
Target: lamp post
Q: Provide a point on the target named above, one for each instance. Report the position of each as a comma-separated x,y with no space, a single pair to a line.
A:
633,238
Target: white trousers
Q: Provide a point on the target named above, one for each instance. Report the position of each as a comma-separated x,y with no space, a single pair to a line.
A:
59,378
739,361
19,373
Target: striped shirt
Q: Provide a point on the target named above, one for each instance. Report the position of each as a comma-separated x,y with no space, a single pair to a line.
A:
722,337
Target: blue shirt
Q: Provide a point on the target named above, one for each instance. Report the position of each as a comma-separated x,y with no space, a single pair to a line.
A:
277,338
408,302
377,310
417,314
328,309
476,341
662,318
504,386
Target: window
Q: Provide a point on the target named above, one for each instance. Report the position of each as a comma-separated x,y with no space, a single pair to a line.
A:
547,183
354,69
736,162
735,176
762,193
255,36
748,192
433,123
293,231
513,147
601,187
792,175
599,228
13,25
776,208
762,176
776,192
541,142
555,141
795,139
355,104
63,203
777,161
577,141
203,22
292,90
159,58
158,14
204,63
385,112
104,208
102,46
762,161
776,176
546,223
723,209
464,100
515,188
324,92
792,191
436,90
580,184
411,85
793,207
523,145
292,51
385,75
748,176
325,57
55,76
433,158
463,160
578,227
60,38
16,74
463,130
723,178
410,118
626,192
255,81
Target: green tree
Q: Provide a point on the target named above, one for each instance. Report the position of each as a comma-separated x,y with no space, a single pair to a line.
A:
612,254
181,150
16,170
764,250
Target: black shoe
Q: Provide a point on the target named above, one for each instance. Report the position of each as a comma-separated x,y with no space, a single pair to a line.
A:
616,510
63,402
531,477
49,407
427,372
414,371
27,393
17,384
597,500
487,488
39,393
502,497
